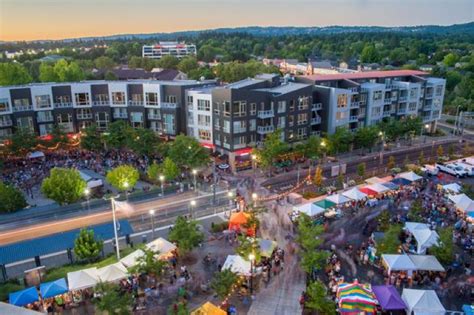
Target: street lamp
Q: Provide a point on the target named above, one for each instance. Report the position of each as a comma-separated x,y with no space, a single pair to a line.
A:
87,192
251,258
230,194
254,163
152,215
114,218
195,183
427,127
126,185
192,204
323,147
254,198
382,136
162,180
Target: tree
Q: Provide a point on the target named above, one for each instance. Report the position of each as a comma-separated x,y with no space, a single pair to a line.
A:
112,300
110,76
272,147
170,169
309,240
154,171
91,139
186,151
444,251
63,185
186,234
450,59
12,199
366,137
361,169
369,54
318,177
119,133
416,211
391,162
318,300
149,264
47,73
68,72
384,220
123,177
104,62
21,142
247,246
451,150
13,74
390,242
440,152
222,282
421,159
168,62
142,141
58,136
86,247
311,148
340,140
188,64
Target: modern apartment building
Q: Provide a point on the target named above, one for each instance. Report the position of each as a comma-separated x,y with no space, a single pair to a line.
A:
178,50
158,105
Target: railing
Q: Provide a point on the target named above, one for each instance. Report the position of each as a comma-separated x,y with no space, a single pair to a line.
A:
316,133
240,130
226,145
353,118
122,103
135,103
22,108
101,103
84,116
62,105
429,95
45,118
5,122
168,105
402,99
386,113
428,107
154,116
302,107
120,115
401,111
315,120
240,146
265,129
157,104
391,86
387,101
394,97
355,104
265,113
316,106
354,90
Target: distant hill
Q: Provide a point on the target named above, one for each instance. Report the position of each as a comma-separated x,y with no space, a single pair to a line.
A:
466,28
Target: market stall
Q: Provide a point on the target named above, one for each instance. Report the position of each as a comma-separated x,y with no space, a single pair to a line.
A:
424,236
453,188
112,273
355,194
391,185
422,302
355,298
24,297
397,263
325,204
237,220
338,199
208,309
379,188
369,192
6,308
400,181
53,288
310,209
426,263
131,259
388,297
410,176
164,247
374,180
82,279
237,264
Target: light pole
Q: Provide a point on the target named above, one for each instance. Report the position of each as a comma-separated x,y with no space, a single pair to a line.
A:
254,198
251,258
254,164
195,183
192,205
427,127
323,148
382,135
162,180
126,185
230,194
87,192
152,215
117,248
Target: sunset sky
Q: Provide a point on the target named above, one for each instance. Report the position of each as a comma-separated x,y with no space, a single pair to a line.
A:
57,19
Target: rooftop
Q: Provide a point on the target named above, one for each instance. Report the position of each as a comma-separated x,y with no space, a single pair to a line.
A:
285,88
364,75
242,83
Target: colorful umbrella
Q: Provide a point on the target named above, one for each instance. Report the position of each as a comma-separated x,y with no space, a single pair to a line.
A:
355,298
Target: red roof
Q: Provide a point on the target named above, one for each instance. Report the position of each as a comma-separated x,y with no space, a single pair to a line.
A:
364,75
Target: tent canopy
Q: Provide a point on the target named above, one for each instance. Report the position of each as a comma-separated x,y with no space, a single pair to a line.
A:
400,181
53,288
411,176
424,236
325,204
310,209
379,188
267,247
374,180
453,188
237,219
208,309
354,298
164,247
463,202
355,194
468,309
237,265
131,259
366,190
24,297
82,279
6,308
112,273
388,297
426,262
338,199
422,302
398,262
391,185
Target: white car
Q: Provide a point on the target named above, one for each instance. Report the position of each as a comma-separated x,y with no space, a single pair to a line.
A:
452,169
467,167
430,170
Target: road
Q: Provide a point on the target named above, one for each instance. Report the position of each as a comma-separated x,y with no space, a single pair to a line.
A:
166,210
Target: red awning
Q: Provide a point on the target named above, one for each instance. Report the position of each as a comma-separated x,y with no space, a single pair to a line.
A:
245,151
368,191
207,145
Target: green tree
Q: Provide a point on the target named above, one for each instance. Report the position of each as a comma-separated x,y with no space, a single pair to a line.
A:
318,177
170,169
318,300
247,246
186,151
13,74
390,242
186,234
149,264
421,159
444,251
63,185
58,135
110,76
309,239
21,142
87,247
451,150
361,169
118,135
142,141
123,177
169,62
416,211
366,137
450,59
47,73
311,148
369,54
188,64
440,152
384,220
12,199
340,140
112,300
391,162
272,148
104,62
154,171
222,283
68,72
91,139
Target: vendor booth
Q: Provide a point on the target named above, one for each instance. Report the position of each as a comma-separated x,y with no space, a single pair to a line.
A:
131,259
53,288
422,302
164,247
237,219
426,263
374,180
325,204
388,297
453,188
82,279
397,263
424,236
10,309
400,181
24,297
369,192
355,298
238,265
379,188
208,309
355,194
338,199
112,273
410,176
391,185
310,209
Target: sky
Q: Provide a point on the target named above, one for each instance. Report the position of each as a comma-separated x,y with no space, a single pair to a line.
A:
58,19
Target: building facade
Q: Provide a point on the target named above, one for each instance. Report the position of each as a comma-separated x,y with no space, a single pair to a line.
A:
175,49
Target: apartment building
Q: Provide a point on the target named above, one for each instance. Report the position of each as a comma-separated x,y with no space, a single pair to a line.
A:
175,49
199,115
158,105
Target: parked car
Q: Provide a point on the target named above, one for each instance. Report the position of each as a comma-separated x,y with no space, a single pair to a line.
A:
467,167
430,170
451,169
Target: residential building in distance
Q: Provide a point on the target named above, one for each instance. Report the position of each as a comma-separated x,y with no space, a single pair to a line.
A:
176,49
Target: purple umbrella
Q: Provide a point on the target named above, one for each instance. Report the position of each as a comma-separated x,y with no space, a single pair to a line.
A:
388,297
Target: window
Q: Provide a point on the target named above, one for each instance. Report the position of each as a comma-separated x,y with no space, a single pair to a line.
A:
412,106
302,119
44,116
25,123
437,102
21,102
171,99
62,99
292,105
204,105
341,116
151,98
102,120
439,90
5,133
291,121
136,118
84,124
154,113
137,99
239,108
413,92
303,103
189,100
118,98
240,126
45,129
376,111
4,105
204,120
120,113
281,122
101,99
168,124
240,140
84,113
227,109
43,101
342,101
226,126
82,99
204,134
65,122
216,108
252,124
377,95
363,98
281,106
253,109
302,133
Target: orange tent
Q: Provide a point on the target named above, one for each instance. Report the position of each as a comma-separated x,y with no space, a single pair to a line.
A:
237,219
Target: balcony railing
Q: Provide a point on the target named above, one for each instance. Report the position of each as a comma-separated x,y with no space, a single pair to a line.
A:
355,104
45,118
316,106
118,103
168,105
240,146
401,111
315,120
387,101
386,113
265,114
22,108
5,122
265,129
157,104
354,90
153,116
240,130
226,145
101,103
402,99
62,105
316,133
353,118
427,107
135,103
84,116
120,115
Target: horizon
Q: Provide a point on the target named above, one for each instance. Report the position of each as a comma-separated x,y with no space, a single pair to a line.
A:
51,19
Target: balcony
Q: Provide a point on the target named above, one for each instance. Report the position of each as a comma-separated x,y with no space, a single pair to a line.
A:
429,95
44,119
355,104
240,130
316,133
22,108
428,107
402,111
402,98
62,105
121,115
387,101
353,118
101,103
154,116
240,146
156,104
168,105
262,130
135,103
84,116
6,122
427,118
386,113
226,145
317,106
316,120
354,90
262,114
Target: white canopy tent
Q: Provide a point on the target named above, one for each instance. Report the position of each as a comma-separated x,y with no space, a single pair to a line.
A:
355,194
424,236
112,273
411,176
82,279
459,199
162,246
131,259
338,199
398,263
379,188
374,180
95,183
309,209
452,188
422,302
426,263
237,264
